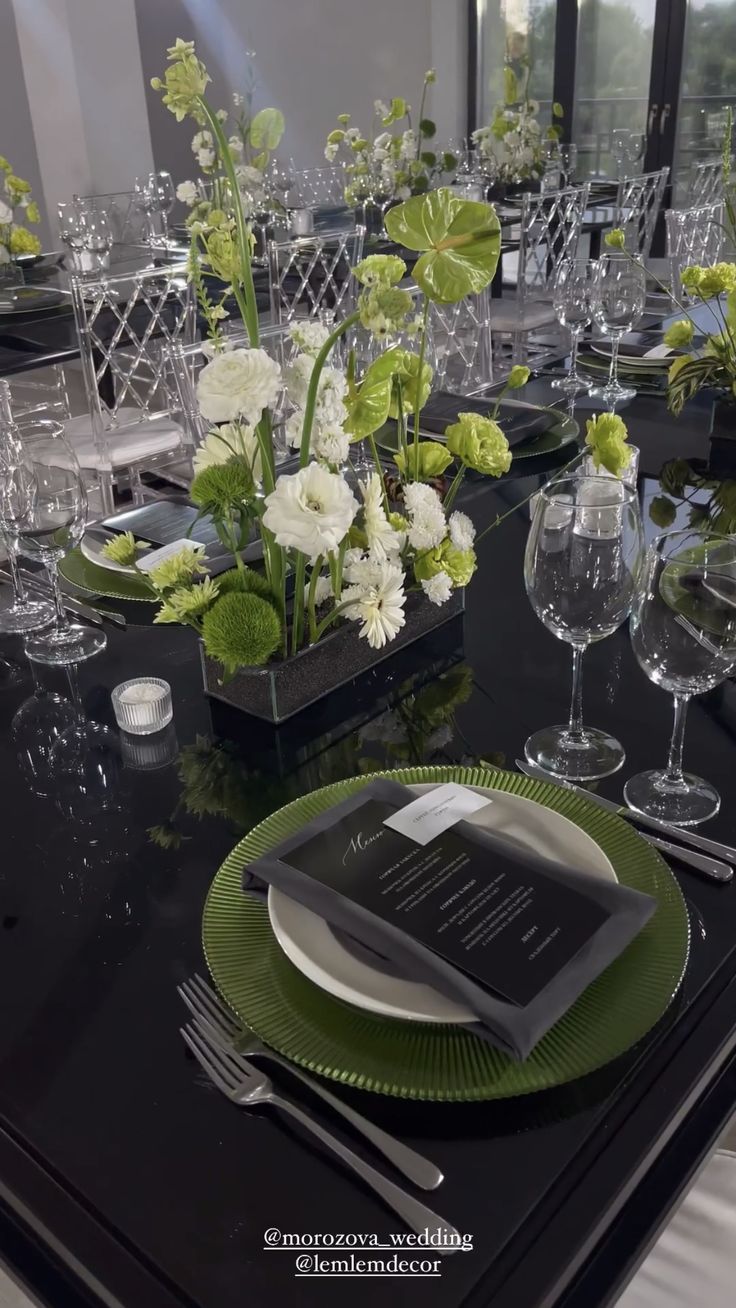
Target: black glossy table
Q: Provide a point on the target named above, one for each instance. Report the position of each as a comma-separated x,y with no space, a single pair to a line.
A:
125,1179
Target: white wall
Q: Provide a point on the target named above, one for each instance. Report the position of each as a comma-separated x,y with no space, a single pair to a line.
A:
17,141
314,58
82,71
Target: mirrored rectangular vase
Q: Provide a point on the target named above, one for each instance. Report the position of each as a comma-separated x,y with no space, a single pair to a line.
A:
281,689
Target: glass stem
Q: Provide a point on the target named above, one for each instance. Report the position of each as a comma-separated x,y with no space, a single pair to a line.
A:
613,371
52,572
674,759
575,729
18,587
574,342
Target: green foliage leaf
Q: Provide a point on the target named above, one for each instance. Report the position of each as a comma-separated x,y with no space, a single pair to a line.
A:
266,129
427,128
461,240
688,378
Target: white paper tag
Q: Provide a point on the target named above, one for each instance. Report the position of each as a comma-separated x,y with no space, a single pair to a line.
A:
431,814
658,352
151,558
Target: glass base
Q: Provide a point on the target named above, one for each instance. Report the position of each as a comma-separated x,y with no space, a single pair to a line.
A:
612,395
554,750
570,385
30,616
70,644
685,803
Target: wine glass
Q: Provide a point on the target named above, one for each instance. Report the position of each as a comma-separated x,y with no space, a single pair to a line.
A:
155,195
23,614
635,147
683,633
618,298
581,571
97,240
45,503
571,299
620,148
568,157
72,230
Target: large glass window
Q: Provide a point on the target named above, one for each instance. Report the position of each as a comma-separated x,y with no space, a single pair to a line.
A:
614,58
708,81
514,29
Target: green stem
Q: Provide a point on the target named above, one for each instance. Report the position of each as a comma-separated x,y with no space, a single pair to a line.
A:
515,509
418,392
421,120
325,623
454,487
379,470
316,569
297,619
501,394
401,424
313,387
249,309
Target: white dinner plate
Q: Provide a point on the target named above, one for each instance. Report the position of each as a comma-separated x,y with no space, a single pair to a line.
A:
311,945
92,550
634,361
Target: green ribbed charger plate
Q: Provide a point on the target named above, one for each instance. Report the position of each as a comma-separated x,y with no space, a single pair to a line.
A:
95,580
420,1061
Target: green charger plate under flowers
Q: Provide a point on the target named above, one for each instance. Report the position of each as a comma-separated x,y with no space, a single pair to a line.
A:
422,1061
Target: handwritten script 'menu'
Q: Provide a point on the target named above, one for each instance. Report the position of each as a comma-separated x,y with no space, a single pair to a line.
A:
360,842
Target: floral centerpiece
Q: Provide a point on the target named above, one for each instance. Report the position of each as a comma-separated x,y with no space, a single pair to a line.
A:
15,195
512,142
395,161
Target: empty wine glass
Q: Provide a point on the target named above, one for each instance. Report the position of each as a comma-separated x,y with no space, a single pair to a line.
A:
572,305
154,196
620,148
23,614
72,231
45,503
581,571
97,240
618,298
683,632
568,156
635,147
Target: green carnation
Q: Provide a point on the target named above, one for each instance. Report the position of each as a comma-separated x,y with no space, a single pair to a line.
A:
433,460
518,377
662,511
188,603
714,281
458,564
691,277
222,487
241,631
616,239
680,333
480,444
380,270
23,242
607,436
124,549
17,185
33,213
178,570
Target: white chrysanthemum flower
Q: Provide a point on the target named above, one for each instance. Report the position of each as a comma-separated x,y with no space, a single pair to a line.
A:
311,510
403,193
308,336
383,140
236,145
408,144
351,565
238,99
381,537
202,141
225,443
330,393
462,531
322,590
352,134
438,589
381,108
238,384
331,150
427,525
293,429
185,191
206,158
6,213
379,606
330,444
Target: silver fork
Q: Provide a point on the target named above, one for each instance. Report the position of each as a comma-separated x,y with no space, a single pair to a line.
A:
219,1023
247,1086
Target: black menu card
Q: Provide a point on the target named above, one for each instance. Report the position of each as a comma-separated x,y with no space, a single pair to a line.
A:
512,935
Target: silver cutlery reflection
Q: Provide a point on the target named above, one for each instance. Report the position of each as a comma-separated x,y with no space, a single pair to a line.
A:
81,610
678,843
246,1086
218,1022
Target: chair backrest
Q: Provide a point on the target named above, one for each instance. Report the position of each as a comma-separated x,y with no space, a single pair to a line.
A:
638,202
693,236
549,231
128,224
313,188
705,182
185,362
308,275
123,323
461,337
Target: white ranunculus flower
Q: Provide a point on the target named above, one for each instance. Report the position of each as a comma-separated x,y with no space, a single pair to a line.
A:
238,384
6,213
187,192
227,441
311,510
379,606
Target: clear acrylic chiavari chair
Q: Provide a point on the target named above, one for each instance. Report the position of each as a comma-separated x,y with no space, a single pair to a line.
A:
126,220
311,275
694,236
638,201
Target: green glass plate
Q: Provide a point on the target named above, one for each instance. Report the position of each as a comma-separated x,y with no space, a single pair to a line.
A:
563,433
417,1060
103,581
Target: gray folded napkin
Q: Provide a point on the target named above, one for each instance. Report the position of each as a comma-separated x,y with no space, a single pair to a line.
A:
459,869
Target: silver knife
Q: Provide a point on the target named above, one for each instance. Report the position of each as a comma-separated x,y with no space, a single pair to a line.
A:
72,605
708,865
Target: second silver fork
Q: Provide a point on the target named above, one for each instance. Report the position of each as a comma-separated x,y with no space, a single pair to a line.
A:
219,1024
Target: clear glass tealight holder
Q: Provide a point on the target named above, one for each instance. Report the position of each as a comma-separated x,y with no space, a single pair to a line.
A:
142,705
629,476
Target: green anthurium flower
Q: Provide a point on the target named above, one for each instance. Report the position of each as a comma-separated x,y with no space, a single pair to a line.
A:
433,460
461,240
266,129
404,366
367,405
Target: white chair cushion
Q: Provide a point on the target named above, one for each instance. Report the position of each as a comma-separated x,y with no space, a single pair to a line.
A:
693,1263
130,442
507,316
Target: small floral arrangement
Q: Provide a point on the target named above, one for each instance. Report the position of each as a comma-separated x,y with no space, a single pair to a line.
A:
15,193
352,552
710,502
394,162
512,142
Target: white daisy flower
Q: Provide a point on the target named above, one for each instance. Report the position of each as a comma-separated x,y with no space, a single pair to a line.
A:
380,606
